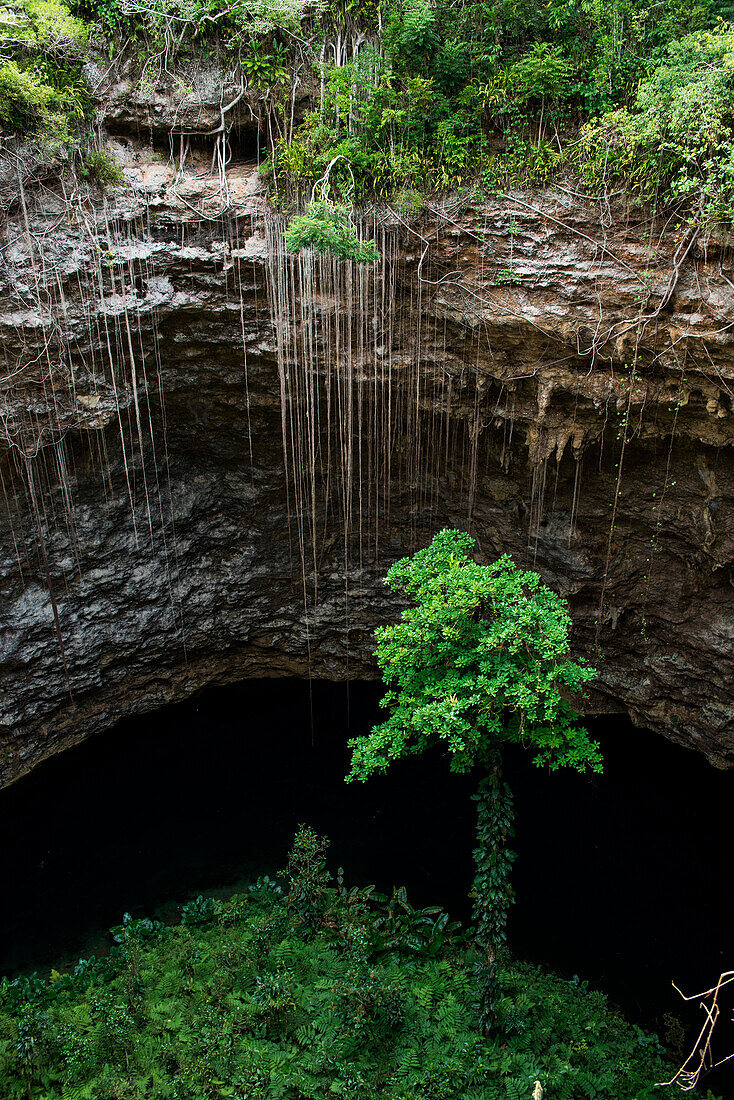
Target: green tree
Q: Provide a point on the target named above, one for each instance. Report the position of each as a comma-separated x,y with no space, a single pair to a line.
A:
480,657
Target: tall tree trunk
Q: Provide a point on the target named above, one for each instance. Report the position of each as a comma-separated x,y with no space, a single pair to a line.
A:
492,892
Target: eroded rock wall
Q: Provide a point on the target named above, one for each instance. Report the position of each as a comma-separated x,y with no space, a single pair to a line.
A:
210,454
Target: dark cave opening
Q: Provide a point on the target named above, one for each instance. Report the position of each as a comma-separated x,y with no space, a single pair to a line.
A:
620,879
245,142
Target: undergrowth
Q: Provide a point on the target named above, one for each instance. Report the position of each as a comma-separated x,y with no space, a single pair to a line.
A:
441,96
305,990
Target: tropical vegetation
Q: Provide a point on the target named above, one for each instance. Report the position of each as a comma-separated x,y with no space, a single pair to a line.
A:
411,97
305,988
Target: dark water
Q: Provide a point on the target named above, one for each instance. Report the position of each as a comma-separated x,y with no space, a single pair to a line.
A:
624,879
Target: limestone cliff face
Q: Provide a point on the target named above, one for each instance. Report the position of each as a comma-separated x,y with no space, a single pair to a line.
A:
210,454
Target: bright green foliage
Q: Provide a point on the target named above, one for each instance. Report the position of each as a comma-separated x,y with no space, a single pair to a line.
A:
99,168
46,25
426,104
481,657
237,1002
392,123
543,74
41,89
677,138
234,27
326,227
264,67
24,98
418,96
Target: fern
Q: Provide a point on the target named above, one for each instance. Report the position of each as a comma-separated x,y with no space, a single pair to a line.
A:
331,1015
409,1060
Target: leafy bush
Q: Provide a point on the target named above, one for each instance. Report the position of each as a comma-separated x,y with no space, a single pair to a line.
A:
677,138
308,878
46,25
542,74
325,227
401,928
101,169
244,1007
24,99
198,913
41,87
411,35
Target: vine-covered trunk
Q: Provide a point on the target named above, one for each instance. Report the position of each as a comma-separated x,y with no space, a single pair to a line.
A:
492,892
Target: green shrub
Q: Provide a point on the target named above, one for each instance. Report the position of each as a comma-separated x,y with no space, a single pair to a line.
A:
676,140
479,657
46,25
307,876
100,169
24,100
543,74
326,227
198,913
42,91
411,36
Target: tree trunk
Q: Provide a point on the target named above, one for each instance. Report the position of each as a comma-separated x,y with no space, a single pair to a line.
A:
492,892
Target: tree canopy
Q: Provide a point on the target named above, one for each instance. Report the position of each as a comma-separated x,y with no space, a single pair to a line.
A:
480,657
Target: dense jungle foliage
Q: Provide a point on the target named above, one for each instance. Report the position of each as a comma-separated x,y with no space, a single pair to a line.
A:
309,989
409,97
42,46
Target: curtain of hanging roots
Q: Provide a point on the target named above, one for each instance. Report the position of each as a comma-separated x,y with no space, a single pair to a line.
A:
357,423
367,400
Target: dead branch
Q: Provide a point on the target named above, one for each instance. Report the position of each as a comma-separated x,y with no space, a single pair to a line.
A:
701,1058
